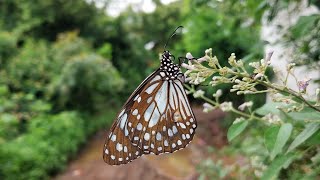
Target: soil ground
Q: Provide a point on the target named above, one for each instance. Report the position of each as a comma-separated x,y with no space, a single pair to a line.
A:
179,165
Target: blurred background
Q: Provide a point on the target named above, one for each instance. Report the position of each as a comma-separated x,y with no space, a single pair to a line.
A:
66,68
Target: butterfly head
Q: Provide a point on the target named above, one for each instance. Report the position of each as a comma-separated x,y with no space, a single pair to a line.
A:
171,71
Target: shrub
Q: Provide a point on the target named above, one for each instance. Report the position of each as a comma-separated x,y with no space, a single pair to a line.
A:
44,149
289,126
86,80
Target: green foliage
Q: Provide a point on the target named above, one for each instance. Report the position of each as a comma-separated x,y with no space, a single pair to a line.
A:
8,46
105,51
210,169
275,167
86,79
9,127
283,136
235,129
49,142
228,28
46,146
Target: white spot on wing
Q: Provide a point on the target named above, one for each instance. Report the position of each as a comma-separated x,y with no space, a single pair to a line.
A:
139,126
121,113
123,120
149,99
119,147
158,137
156,78
183,97
172,95
155,118
114,138
174,129
148,112
162,74
179,142
146,136
182,125
135,112
106,151
170,132
150,89
161,97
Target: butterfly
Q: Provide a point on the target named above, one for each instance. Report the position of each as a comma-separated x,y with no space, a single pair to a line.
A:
157,117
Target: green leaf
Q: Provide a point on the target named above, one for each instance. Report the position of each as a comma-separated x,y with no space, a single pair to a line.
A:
282,137
304,25
306,114
269,108
269,137
276,165
236,129
314,139
304,135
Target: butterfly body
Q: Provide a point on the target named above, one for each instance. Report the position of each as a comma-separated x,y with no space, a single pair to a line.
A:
157,117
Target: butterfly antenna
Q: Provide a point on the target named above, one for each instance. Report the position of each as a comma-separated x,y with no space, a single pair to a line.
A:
174,33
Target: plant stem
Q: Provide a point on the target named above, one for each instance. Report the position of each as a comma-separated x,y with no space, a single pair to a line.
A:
250,116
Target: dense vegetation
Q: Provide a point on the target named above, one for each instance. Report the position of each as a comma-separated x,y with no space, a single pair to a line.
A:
66,65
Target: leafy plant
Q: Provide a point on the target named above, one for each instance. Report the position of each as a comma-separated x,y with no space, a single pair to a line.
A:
289,122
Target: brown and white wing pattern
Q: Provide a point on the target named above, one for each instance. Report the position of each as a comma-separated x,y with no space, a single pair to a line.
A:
157,118
163,121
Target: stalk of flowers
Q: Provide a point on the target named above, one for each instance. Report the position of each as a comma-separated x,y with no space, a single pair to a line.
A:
244,82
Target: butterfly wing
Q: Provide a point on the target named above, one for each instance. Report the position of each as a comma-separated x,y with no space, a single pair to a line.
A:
163,121
118,148
157,118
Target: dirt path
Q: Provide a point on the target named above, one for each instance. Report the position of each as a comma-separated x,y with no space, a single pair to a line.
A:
179,165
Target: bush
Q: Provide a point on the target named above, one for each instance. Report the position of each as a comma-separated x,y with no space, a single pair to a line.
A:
50,141
287,142
44,149
86,79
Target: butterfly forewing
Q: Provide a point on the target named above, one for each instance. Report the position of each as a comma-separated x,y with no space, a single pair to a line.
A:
157,118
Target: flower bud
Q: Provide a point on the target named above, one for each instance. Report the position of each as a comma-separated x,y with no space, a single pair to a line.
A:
189,56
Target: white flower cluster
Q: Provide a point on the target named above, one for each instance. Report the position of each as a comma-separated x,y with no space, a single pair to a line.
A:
272,118
226,106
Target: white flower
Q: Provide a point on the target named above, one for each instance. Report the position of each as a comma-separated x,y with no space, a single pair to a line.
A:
272,118
226,106
207,107
254,64
218,93
237,120
259,75
290,66
208,51
245,105
189,56
202,59
198,93
188,66
232,60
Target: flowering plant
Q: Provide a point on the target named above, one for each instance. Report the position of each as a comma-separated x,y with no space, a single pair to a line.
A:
291,121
